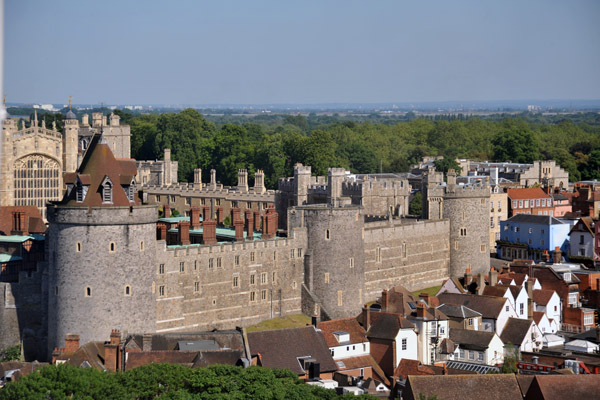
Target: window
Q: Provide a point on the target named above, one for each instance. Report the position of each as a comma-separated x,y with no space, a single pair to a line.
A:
88,291
299,253
274,277
78,247
294,284
573,298
263,278
326,277
127,290
327,235
111,247
404,344
237,261
461,353
514,204
252,296
252,279
456,245
142,245
483,248
520,203
275,256
542,242
351,262
463,232
263,295
219,262
471,355
530,230
107,191
499,205
195,265
182,266
252,256
161,291
588,319
480,356
378,254
188,201
340,302
292,253
521,308
581,239
161,269
470,321
211,263
507,308
196,287
491,222
537,202
236,281
526,204
582,252
543,202
492,205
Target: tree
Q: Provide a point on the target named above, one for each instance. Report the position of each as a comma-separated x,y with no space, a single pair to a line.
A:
516,143
416,206
446,164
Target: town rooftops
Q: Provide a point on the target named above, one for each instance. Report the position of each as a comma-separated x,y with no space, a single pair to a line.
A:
283,348
527,193
35,224
386,325
515,331
535,219
459,387
330,330
489,306
555,387
458,311
470,339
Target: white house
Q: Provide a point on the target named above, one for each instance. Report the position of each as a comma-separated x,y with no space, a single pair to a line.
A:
581,345
432,326
477,347
582,238
522,334
451,285
548,302
545,325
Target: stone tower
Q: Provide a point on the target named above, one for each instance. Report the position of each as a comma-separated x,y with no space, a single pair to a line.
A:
70,142
334,265
301,183
101,252
432,199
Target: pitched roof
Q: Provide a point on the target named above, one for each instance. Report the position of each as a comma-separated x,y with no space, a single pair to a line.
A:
542,296
408,367
489,306
386,325
515,330
36,223
458,311
538,316
555,387
535,219
586,222
469,339
459,387
527,193
362,362
496,291
281,348
350,325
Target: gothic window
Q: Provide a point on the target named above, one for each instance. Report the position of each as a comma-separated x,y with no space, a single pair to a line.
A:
107,190
37,180
131,191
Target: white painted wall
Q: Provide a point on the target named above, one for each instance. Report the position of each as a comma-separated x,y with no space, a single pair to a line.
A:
503,317
411,351
351,350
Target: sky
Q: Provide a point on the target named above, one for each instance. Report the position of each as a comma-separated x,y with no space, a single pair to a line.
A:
301,52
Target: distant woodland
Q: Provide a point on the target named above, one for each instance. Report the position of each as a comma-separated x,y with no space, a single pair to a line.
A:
362,144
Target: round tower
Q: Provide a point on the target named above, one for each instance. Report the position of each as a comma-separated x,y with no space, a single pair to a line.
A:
335,270
101,248
70,141
468,209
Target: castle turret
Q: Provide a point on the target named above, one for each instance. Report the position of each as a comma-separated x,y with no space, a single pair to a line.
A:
301,183
335,177
101,252
70,141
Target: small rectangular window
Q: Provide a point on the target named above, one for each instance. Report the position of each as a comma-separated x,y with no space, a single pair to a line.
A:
211,263
292,253
252,296
182,266
340,300
326,279
252,256
274,280
299,253
263,278
196,286
161,291
161,269
263,294
351,262
219,262
252,279
237,261
236,281
404,344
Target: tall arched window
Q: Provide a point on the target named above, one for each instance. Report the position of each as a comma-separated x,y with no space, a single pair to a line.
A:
37,180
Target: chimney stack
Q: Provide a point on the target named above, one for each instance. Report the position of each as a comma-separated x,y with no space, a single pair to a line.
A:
161,231
166,211
112,351
480,283
546,256
420,310
195,218
493,277
366,317
425,297
385,300
184,232
147,342
250,224
257,220
71,343
213,179
209,232
220,215
468,277
557,258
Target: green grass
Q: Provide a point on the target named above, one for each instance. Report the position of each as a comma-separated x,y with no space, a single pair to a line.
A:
431,291
288,321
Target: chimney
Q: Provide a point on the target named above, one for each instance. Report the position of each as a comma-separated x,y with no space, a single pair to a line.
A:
184,232
270,220
480,283
242,180
529,288
493,277
85,120
250,224
235,215
57,353
468,277
259,181
71,343
557,256
239,230
195,218
166,211
209,232
366,317
147,342
546,256
213,179
206,213
112,350
257,221
220,215
425,297
197,177
385,300
161,231
451,178
420,310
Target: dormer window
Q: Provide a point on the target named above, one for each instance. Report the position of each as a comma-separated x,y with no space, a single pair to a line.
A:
131,191
107,190
80,191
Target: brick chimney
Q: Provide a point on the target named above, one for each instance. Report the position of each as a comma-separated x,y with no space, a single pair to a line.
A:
220,215
425,297
166,211
195,218
71,343
20,223
421,310
161,231
184,232
385,300
249,225
270,221
209,233
112,351
206,213
529,288
366,311
257,221
239,230
493,277
57,352
557,255
147,342
468,277
235,215
480,283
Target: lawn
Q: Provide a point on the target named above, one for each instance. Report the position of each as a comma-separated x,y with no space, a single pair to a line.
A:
288,321
431,291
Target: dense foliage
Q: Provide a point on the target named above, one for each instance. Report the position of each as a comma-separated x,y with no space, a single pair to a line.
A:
362,144
11,353
165,381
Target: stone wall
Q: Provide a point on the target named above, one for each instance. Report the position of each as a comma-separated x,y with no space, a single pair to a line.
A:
201,287
414,254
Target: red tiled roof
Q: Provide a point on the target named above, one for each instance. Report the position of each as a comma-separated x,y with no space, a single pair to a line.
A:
408,367
351,363
36,223
542,296
497,291
537,316
350,325
527,193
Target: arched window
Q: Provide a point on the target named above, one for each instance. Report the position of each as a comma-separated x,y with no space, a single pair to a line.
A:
127,290
107,190
37,180
88,291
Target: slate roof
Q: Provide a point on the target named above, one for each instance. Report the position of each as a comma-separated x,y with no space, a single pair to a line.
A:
470,339
458,311
386,325
36,222
231,339
460,387
535,219
350,325
192,359
489,307
555,387
542,296
281,348
515,331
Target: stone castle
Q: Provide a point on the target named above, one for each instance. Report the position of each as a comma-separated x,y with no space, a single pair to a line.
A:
111,262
